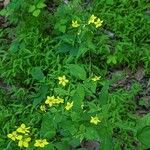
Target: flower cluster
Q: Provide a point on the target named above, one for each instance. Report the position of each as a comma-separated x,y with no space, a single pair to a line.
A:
51,100
22,136
92,20
41,143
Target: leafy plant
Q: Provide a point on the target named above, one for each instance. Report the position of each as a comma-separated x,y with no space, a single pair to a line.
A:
56,62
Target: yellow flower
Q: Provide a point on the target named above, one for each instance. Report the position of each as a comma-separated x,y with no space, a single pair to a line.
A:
98,23
59,100
96,78
23,129
95,120
14,136
50,100
92,19
43,108
24,142
62,80
69,105
75,24
40,143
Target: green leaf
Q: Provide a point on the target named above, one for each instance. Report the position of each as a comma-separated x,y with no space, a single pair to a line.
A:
112,60
42,92
64,48
37,73
77,71
40,5
110,2
106,143
75,116
147,17
78,97
144,135
143,130
14,47
61,91
105,137
31,8
62,145
47,128
82,51
74,143
90,87
91,133
103,97
144,121
3,12
36,13
58,118
61,25
68,39
49,147
62,28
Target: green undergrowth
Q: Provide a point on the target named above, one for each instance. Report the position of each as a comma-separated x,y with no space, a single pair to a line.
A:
55,60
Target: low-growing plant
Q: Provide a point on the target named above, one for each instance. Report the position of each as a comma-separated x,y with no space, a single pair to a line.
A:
55,61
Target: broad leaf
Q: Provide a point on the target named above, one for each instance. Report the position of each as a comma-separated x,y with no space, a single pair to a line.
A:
106,139
90,87
77,71
31,8
104,94
36,12
42,92
37,73
144,135
78,97
40,5
49,147
64,48
62,146
47,128
107,143
74,143
110,2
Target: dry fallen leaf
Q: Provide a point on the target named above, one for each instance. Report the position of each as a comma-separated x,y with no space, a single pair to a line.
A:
90,145
6,2
139,74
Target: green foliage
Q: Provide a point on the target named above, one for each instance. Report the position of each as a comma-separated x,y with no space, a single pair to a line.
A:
143,131
36,9
55,67
143,136
77,71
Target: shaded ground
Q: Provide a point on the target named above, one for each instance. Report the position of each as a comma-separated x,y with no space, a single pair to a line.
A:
143,97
